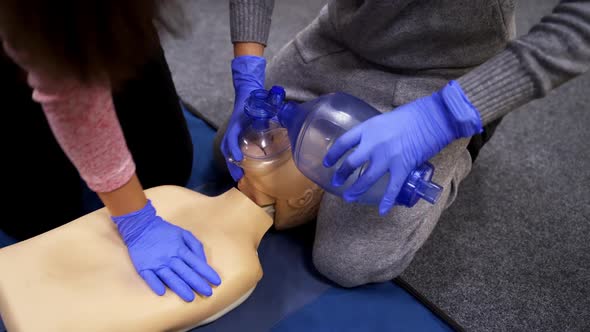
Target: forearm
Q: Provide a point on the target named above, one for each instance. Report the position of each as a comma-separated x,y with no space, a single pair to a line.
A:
125,199
250,20
553,52
84,123
93,140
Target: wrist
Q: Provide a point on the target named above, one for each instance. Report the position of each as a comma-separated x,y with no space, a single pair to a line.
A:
464,117
132,224
248,48
245,64
248,73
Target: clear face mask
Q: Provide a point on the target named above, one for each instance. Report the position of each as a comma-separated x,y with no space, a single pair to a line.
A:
271,178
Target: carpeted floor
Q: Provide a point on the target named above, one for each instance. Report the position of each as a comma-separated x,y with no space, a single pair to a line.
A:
513,252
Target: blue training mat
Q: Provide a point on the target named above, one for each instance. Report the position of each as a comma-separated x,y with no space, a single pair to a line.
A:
292,295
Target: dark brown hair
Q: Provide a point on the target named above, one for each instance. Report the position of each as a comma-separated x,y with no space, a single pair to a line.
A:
85,39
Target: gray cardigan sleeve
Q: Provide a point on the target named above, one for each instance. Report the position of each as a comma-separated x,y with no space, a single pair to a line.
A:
250,20
554,51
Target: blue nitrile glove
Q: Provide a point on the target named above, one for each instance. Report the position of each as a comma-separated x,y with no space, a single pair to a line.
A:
248,75
165,254
401,140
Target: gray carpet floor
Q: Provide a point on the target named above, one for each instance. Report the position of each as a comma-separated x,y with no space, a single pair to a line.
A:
513,252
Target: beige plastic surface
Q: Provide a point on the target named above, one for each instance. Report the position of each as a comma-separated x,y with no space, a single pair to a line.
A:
79,277
279,182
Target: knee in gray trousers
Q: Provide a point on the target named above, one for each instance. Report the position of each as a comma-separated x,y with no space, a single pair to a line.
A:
355,246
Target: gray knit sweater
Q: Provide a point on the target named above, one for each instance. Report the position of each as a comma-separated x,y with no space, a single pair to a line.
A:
555,50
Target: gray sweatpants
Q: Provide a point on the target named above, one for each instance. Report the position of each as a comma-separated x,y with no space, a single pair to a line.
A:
353,244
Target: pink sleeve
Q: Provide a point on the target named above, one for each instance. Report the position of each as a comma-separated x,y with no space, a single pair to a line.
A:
84,122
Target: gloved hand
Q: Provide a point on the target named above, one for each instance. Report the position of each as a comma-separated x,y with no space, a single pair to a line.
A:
248,75
165,254
401,140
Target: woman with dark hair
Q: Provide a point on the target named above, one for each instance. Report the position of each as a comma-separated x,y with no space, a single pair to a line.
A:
101,93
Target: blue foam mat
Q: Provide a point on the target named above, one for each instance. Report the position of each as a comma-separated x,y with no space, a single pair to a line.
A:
293,296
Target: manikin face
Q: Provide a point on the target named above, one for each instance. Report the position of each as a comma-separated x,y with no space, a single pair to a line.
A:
279,183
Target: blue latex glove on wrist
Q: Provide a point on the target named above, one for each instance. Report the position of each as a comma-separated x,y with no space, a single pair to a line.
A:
401,140
165,254
248,75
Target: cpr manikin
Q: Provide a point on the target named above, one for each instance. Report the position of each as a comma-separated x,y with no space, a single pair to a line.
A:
79,277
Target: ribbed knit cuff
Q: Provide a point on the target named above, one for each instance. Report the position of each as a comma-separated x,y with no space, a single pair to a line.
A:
250,20
498,86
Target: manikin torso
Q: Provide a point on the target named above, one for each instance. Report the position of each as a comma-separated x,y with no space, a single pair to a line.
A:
79,277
